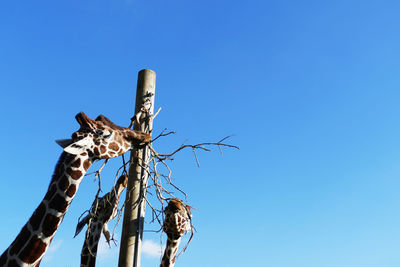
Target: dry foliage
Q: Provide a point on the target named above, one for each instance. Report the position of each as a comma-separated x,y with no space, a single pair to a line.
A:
160,182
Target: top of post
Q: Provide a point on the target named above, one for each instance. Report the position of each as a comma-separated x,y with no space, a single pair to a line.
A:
147,78
147,70
146,83
146,87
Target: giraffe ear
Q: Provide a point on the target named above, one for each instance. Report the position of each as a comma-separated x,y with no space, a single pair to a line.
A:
81,224
79,146
64,142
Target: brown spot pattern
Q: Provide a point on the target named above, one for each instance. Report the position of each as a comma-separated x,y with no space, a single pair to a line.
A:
86,164
58,203
71,190
75,174
50,225
50,193
76,163
37,216
63,183
103,149
114,146
33,250
19,242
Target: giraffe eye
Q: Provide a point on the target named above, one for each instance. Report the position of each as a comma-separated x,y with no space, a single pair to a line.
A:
107,134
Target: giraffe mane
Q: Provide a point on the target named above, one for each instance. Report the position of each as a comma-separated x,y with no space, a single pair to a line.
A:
106,121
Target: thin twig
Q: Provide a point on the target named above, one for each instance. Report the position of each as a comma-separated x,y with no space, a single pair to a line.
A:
162,134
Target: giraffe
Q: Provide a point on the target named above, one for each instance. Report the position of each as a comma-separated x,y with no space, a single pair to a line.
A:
176,223
102,211
96,139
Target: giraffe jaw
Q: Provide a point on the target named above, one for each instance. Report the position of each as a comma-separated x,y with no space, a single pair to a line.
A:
80,146
77,147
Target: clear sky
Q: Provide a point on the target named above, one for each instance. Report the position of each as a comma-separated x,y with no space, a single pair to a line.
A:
309,89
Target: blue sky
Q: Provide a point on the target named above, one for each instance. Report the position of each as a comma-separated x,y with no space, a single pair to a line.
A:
309,89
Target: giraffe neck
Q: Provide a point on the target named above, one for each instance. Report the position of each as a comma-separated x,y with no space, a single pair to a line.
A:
35,237
171,249
89,249
113,201
108,205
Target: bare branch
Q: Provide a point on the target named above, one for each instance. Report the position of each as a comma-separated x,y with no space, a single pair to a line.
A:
155,115
197,160
201,146
162,134
160,186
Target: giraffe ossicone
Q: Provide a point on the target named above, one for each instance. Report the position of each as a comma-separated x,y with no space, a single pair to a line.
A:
96,139
102,211
177,222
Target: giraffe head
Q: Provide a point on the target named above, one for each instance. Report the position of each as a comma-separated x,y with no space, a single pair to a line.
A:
176,205
101,138
177,218
122,180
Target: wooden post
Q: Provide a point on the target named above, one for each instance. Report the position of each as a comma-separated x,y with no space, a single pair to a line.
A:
132,227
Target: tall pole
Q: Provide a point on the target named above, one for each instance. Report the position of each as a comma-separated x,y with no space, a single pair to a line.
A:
132,227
